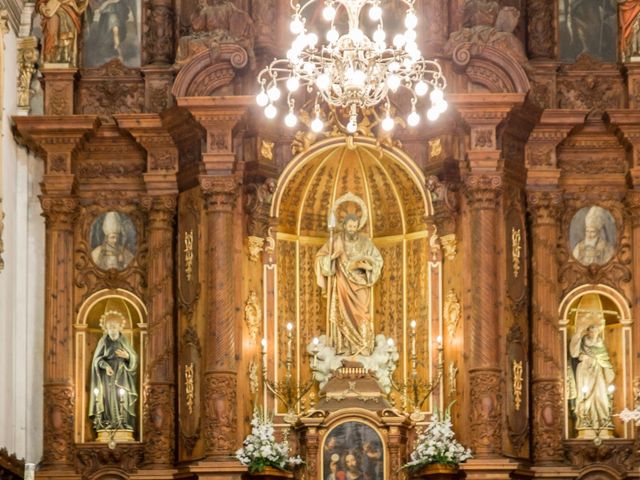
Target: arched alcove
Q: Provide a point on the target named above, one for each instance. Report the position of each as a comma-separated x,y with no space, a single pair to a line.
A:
87,333
392,188
605,309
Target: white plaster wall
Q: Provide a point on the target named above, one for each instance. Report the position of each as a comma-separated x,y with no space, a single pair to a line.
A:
21,284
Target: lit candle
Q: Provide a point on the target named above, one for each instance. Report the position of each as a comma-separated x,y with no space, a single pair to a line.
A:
96,391
289,362
314,350
414,356
263,345
440,352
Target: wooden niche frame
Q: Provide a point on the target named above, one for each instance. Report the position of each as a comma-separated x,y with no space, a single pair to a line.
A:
83,330
620,348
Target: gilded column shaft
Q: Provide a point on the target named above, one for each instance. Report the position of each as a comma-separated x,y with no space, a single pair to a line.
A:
483,193
220,382
160,374
547,377
58,367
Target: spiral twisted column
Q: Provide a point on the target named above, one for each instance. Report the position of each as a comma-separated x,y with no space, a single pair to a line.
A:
544,209
483,193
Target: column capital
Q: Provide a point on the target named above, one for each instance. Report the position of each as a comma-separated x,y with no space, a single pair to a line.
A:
483,190
545,206
220,191
218,116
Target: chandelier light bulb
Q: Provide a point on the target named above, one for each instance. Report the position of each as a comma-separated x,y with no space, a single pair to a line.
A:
393,82
296,25
432,114
293,83
436,95
421,88
410,35
308,67
262,99
399,40
394,66
312,39
332,35
352,126
442,106
293,56
413,119
273,93
407,63
388,123
379,35
359,78
271,111
411,47
317,125
291,120
357,35
329,13
323,82
375,13
410,21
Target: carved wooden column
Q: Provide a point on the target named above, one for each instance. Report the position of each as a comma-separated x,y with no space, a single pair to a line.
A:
220,415
159,386
158,54
483,193
544,204
220,187
483,189
547,379
58,141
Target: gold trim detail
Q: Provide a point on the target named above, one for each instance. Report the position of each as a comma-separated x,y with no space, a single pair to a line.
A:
27,57
252,315
516,250
189,387
517,383
449,245
255,247
188,255
452,313
453,379
266,150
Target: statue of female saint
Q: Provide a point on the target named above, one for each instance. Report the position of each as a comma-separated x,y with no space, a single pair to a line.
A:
113,377
347,266
594,375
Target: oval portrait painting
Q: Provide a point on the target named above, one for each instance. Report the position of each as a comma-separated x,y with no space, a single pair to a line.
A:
593,235
113,241
353,450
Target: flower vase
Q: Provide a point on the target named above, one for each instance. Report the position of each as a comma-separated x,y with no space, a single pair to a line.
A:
268,473
436,471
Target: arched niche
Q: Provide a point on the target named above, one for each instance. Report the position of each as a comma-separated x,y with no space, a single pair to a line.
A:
392,187
616,330
87,333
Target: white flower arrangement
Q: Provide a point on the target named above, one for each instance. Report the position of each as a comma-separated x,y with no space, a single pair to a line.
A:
437,444
260,448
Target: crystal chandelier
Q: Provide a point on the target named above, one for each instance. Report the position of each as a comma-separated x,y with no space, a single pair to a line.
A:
352,72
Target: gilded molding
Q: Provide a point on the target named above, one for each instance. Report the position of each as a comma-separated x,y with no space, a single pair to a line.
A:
449,245
255,247
252,315
27,57
188,255
452,313
517,370
516,250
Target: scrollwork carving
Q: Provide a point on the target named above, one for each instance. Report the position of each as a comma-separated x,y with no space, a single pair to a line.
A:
547,420
91,459
483,191
257,205
158,422
58,424
159,37
486,410
220,413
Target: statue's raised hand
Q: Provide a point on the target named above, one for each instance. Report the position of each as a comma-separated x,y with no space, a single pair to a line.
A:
109,371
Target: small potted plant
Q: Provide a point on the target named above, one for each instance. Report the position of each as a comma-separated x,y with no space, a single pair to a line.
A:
437,454
266,458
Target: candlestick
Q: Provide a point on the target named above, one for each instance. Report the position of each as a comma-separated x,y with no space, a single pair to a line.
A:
289,361
314,350
263,348
414,355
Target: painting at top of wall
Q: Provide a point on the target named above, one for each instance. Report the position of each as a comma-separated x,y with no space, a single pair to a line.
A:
112,31
588,26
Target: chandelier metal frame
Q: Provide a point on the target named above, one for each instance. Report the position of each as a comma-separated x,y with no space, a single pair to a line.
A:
352,72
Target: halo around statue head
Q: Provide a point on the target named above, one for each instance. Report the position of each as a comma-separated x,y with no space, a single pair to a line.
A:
116,311
352,197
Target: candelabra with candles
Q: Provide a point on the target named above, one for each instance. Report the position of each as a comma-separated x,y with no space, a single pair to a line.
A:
289,392
416,391
112,428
